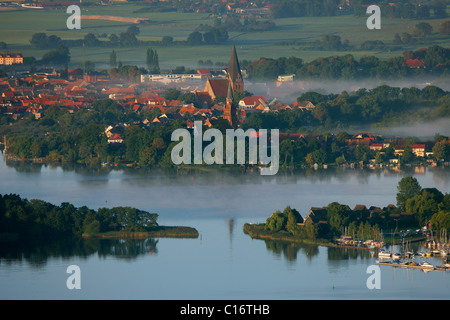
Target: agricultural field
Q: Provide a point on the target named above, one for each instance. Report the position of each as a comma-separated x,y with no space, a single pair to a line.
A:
18,25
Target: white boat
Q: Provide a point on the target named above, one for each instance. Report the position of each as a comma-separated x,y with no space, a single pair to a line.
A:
31,6
426,265
384,254
396,256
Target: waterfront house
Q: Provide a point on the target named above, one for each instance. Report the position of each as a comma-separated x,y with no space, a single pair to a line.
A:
304,105
361,137
116,138
418,150
398,150
316,215
376,146
252,102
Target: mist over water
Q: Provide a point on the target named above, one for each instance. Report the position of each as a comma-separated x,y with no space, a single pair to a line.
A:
287,92
424,131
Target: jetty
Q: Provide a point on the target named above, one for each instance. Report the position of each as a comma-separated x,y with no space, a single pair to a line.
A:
413,265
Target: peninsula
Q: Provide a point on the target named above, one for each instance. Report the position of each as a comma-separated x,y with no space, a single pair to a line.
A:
418,212
38,219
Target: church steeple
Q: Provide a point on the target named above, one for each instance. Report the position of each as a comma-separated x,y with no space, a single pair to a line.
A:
234,73
229,111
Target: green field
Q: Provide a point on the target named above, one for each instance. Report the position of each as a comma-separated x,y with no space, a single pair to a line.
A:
17,27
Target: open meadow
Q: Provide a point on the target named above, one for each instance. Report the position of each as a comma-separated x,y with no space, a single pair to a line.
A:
18,25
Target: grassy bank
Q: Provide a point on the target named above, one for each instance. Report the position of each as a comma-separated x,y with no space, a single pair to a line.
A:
158,232
257,231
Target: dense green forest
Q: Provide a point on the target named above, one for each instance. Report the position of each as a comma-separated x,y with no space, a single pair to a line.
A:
380,106
426,205
38,219
318,8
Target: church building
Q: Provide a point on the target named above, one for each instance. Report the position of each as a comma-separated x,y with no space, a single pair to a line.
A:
233,82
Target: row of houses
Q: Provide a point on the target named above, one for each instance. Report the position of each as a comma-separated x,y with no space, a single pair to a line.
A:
10,58
398,144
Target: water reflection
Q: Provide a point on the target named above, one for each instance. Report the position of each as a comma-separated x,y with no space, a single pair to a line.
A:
37,254
230,176
291,250
339,254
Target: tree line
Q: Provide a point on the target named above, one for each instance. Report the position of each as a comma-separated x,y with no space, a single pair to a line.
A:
314,8
436,63
213,35
38,219
378,106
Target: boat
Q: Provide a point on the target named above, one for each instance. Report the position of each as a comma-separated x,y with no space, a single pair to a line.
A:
396,256
384,254
421,253
31,6
426,265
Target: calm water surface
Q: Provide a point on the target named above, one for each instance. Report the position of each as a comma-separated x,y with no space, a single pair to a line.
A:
223,263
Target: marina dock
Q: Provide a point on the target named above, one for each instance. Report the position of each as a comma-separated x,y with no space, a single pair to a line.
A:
414,266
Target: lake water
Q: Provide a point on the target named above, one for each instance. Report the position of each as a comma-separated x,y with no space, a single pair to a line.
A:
223,263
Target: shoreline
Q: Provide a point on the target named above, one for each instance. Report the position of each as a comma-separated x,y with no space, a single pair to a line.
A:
207,168
279,236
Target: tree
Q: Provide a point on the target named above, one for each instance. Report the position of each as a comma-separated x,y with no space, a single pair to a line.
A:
407,156
276,222
331,42
441,150
337,216
152,61
195,38
363,152
444,28
423,29
128,39
319,156
90,40
58,56
114,39
39,40
293,217
113,59
134,30
167,40
408,187
424,205
215,35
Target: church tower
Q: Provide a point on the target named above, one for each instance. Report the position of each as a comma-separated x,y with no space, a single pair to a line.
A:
229,111
234,73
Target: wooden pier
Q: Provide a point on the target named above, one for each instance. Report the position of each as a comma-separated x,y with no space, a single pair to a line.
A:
413,266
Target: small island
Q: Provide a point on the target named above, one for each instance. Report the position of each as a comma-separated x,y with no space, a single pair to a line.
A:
40,220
